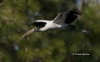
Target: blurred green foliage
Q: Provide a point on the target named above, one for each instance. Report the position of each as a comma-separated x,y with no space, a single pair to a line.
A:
16,17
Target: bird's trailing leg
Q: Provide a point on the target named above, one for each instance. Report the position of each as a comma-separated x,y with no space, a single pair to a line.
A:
84,31
74,28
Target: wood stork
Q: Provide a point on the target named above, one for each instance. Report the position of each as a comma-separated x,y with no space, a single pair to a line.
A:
62,21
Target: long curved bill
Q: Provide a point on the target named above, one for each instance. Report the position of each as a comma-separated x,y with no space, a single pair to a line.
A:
29,32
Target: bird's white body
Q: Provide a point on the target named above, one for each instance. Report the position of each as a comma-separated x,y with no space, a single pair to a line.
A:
51,25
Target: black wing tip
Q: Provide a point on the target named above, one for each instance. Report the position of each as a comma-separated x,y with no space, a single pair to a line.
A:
75,10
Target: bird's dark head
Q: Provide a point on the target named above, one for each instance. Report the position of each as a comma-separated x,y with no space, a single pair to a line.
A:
75,12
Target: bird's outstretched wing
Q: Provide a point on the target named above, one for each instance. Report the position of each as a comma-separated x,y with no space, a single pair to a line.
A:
60,18
67,17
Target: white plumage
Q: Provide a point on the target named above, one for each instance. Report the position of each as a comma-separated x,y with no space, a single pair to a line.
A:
62,21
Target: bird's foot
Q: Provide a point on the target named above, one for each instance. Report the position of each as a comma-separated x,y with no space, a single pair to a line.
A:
85,31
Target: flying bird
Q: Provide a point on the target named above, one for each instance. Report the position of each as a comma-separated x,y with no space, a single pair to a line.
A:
62,21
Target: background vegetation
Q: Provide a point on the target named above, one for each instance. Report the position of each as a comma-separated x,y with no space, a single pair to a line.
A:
16,17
